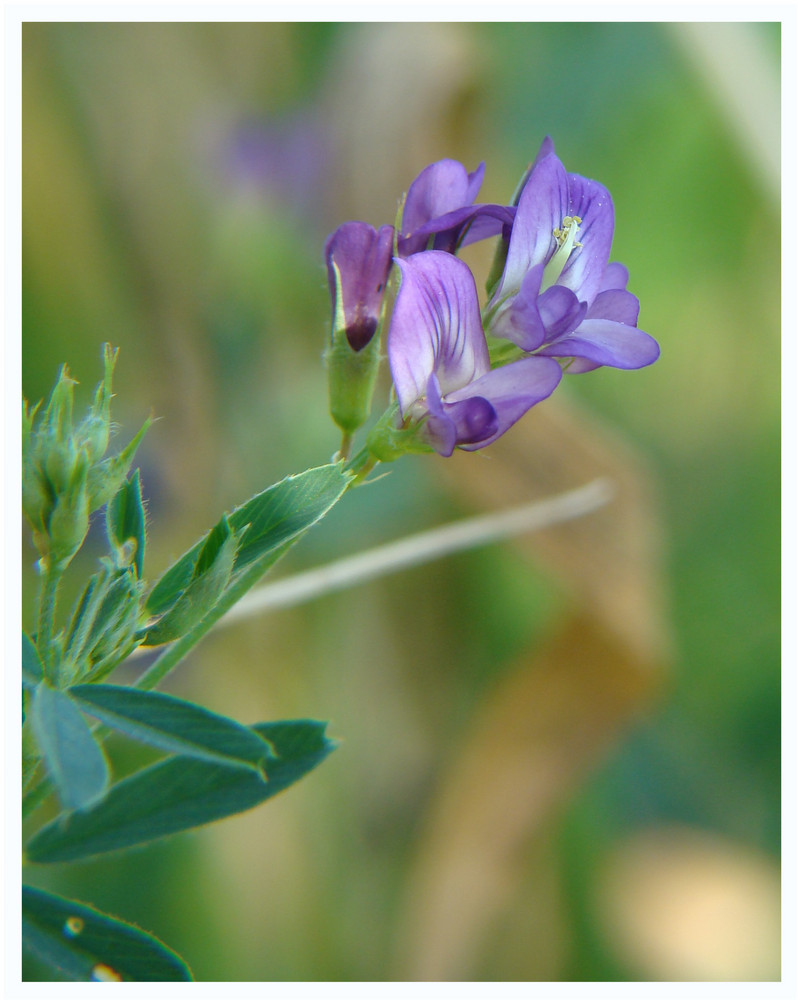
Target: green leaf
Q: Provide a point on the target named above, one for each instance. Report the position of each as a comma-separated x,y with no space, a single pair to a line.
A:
174,725
209,579
75,762
274,517
108,605
104,622
83,615
179,794
83,945
125,521
32,666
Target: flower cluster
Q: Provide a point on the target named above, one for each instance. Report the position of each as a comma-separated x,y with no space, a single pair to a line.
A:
461,376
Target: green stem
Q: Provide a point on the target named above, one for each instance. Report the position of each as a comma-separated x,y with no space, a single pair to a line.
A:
48,599
370,463
346,446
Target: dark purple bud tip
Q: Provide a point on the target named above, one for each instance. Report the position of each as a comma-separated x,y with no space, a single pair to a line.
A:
360,332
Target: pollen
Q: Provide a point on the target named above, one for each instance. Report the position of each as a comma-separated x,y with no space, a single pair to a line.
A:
562,234
565,235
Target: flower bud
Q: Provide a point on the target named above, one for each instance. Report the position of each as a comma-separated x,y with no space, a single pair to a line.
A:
36,501
58,454
94,431
358,264
69,521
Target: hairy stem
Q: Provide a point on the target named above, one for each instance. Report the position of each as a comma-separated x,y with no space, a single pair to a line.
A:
48,599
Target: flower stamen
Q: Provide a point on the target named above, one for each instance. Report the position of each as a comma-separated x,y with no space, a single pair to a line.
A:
566,242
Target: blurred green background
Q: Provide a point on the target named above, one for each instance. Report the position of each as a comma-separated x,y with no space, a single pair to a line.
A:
178,183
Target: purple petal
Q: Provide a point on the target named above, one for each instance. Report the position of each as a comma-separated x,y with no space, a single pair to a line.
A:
532,319
363,259
561,311
541,209
579,366
615,304
475,183
585,269
546,149
511,391
616,276
519,320
440,188
458,228
435,328
606,342
487,221
461,422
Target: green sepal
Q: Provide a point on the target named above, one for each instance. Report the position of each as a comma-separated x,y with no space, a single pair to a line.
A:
106,477
175,725
94,430
389,440
351,375
209,579
74,760
68,523
179,794
57,450
351,379
82,944
37,500
125,524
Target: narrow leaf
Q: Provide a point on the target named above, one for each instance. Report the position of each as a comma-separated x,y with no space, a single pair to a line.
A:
279,514
125,520
32,666
211,574
83,615
115,593
74,760
82,944
179,794
174,725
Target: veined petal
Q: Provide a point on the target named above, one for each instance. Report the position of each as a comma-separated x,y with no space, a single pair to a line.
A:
435,328
606,342
541,208
584,271
511,391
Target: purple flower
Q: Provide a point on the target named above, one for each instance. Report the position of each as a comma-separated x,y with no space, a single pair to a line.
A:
558,295
440,204
439,359
358,262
